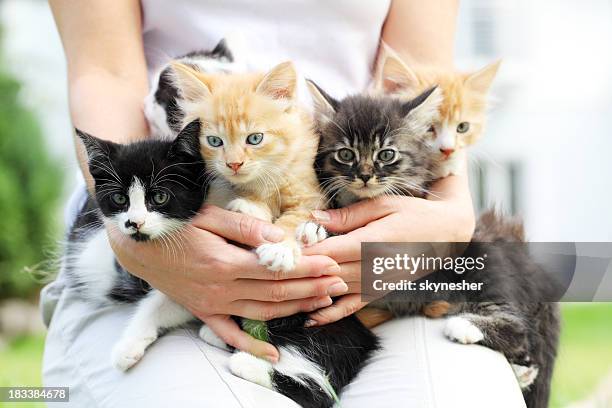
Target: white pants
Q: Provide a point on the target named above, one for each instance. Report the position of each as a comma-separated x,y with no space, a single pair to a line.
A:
417,367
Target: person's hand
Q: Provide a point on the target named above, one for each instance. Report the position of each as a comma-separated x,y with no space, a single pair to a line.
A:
446,215
215,279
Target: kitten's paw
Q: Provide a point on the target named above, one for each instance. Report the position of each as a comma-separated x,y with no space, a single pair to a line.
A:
463,331
525,375
211,338
309,233
282,256
247,207
128,352
251,368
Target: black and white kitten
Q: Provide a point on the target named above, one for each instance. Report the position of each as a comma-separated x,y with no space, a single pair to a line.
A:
146,190
368,148
162,108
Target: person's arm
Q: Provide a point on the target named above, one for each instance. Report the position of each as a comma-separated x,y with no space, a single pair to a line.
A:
422,32
212,278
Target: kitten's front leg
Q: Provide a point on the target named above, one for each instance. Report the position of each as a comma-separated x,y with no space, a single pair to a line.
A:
309,233
154,313
250,207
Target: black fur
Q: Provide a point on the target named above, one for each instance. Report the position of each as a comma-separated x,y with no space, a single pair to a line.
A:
510,313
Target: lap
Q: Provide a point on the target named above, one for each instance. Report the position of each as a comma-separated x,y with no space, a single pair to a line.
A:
416,367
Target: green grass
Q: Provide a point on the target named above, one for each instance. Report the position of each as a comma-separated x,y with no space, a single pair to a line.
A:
585,356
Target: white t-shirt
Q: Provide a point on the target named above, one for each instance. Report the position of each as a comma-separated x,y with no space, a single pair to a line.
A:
333,42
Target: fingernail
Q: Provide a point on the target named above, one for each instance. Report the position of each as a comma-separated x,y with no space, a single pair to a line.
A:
322,216
271,358
337,289
310,323
323,302
332,270
272,233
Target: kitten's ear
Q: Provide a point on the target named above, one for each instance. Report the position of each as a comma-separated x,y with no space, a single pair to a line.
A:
393,74
190,83
324,104
187,143
481,81
97,149
424,109
280,82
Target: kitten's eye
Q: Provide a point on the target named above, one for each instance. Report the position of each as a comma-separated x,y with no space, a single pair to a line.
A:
463,127
160,197
431,129
386,156
254,138
345,155
119,199
214,141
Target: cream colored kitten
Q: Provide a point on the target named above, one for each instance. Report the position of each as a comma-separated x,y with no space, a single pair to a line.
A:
463,110
259,148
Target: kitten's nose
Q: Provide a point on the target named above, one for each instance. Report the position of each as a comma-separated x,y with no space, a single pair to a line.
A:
365,178
234,166
132,224
447,152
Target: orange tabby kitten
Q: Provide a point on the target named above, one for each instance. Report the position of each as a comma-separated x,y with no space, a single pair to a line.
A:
259,149
463,111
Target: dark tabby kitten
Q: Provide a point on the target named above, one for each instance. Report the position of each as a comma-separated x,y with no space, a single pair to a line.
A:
146,190
372,146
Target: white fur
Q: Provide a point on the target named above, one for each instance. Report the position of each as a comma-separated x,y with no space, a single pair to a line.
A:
525,375
446,137
248,207
251,368
281,256
298,366
153,313
309,233
211,338
156,115
462,330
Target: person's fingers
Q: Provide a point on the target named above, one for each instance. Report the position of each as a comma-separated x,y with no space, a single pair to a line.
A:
289,289
350,272
342,248
354,216
345,306
237,227
229,331
265,311
245,264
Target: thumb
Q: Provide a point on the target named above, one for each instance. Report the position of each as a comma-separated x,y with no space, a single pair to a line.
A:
354,216
237,227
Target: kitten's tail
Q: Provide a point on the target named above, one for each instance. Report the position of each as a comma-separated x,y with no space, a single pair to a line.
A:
299,378
492,226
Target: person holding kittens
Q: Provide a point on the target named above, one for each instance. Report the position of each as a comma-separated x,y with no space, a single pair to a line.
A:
112,49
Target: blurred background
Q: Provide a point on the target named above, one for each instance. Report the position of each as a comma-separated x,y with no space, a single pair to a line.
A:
544,157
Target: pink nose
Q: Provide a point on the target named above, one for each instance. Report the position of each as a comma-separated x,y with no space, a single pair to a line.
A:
447,152
234,166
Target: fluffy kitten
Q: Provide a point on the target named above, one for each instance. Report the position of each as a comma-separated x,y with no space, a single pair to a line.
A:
259,148
146,190
462,111
368,149
162,108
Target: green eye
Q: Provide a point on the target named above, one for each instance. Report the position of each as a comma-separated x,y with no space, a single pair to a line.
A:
119,199
345,155
214,141
254,138
160,197
463,127
386,155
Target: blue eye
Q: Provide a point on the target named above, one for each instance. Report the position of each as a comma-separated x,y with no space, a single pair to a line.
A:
463,127
254,138
119,199
214,141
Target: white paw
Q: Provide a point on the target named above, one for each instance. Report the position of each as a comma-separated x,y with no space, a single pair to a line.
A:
247,207
251,368
462,330
525,375
278,257
211,338
128,352
309,233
